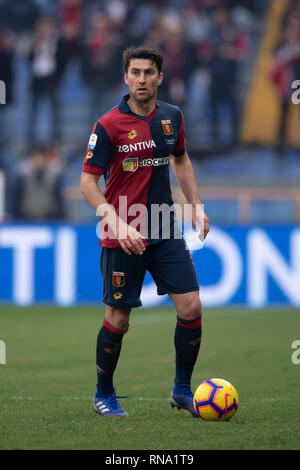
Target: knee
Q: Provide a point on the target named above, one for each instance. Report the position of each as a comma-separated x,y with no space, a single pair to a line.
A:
192,310
118,318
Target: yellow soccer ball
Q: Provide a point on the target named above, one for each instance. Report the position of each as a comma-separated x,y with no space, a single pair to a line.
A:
216,400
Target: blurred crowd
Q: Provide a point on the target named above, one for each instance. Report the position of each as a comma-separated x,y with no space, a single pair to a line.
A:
205,43
285,67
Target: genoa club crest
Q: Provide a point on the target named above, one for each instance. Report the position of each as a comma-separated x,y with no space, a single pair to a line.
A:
118,279
167,127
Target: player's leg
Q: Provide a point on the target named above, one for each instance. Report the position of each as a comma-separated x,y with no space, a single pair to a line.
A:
187,340
109,343
122,281
188,332
174,272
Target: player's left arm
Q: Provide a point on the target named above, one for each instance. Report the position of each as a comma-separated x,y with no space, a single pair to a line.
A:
184,173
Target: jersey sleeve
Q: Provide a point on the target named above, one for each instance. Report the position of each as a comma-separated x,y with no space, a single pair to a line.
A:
179,148
98,151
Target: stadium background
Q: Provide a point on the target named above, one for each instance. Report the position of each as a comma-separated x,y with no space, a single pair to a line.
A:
229,64
61,62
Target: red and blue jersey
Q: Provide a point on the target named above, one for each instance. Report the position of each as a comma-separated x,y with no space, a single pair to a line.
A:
133,154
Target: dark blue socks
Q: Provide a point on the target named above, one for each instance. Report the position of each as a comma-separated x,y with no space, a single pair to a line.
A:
187,342
109,343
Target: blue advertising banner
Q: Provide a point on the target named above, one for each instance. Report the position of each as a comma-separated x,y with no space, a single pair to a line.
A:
53,263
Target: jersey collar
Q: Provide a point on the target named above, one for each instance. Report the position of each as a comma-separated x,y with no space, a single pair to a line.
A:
124,108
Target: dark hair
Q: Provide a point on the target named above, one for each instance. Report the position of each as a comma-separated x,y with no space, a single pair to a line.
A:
142,52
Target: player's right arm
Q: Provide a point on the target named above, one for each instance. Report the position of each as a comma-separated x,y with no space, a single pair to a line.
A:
99,151
130,239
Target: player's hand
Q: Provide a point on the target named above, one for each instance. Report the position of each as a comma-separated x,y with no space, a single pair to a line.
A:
204,229
200,221
130,239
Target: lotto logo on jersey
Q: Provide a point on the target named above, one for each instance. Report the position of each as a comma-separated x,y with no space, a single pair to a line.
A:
89,155
132,134
130,164
167,127
118,279
92,141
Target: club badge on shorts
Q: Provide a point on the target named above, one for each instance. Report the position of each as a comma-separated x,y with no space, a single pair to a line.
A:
167,127
118,279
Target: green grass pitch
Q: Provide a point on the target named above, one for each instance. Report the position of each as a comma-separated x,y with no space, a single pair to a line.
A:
48,381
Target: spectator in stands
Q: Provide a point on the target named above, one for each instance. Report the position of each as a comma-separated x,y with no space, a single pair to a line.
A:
19,16
118,11
285,68
38,194
45,76
6,62
70,19
179,60
227,48
100,58
6,76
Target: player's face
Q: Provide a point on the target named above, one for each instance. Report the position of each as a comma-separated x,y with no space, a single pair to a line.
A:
143,79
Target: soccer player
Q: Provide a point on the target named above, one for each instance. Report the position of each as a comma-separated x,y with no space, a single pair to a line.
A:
132,145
